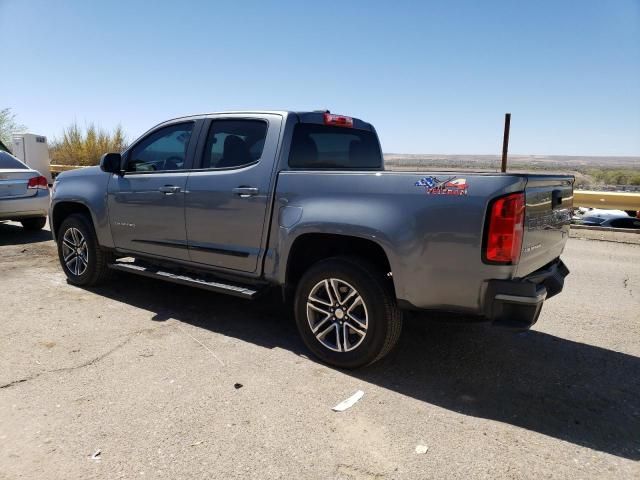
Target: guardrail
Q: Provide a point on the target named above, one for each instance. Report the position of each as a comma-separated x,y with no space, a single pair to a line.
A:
609,200
56,169
581,198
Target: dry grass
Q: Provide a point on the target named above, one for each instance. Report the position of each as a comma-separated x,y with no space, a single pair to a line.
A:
85,147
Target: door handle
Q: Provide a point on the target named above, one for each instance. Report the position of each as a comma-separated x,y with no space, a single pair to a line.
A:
245,192
168,189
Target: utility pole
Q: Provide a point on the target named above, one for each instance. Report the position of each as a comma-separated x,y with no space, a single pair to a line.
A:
505,141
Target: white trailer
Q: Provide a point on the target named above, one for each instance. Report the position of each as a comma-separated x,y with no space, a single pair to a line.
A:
32,149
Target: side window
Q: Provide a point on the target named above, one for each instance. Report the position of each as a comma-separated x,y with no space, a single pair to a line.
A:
596,220
234,143
164,149
626,223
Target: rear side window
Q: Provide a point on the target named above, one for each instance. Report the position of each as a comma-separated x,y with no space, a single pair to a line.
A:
322,146
234,143
9,161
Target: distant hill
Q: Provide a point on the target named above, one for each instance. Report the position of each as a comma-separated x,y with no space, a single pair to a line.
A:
526,161
590,171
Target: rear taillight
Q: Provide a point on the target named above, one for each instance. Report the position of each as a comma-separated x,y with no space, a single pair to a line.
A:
38,182
338,120
505,228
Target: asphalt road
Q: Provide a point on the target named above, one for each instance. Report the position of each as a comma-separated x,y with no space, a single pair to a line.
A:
144,372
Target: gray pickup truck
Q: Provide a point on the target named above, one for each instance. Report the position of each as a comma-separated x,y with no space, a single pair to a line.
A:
243,202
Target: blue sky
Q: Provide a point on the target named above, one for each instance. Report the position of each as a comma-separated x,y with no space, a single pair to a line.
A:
433,77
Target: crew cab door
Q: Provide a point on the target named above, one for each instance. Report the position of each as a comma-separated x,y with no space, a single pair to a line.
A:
146,204
230,190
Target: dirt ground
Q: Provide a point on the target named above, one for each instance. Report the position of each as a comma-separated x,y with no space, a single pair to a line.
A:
145,373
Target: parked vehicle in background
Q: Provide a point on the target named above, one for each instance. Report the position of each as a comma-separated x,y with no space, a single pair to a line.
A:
32,150
626,222
621,221
24,193
605,218
242,202
582,213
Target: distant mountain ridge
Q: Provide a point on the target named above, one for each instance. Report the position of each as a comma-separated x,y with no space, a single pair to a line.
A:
545,162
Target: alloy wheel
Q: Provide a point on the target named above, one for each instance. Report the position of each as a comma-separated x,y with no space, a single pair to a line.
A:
337,315
75,253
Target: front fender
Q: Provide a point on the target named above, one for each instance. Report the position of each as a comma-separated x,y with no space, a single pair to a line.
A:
87,187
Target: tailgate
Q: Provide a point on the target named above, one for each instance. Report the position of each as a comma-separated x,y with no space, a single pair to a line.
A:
549,201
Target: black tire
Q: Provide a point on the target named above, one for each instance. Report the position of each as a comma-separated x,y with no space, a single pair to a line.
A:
97,259
384,318
33,224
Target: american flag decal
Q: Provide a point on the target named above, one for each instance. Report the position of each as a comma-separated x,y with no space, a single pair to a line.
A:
450,186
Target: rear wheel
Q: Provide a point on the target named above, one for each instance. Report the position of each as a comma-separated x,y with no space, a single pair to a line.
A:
346,312
36,223
81,257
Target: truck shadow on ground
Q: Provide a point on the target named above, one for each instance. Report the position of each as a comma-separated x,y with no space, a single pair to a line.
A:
579,393
14,234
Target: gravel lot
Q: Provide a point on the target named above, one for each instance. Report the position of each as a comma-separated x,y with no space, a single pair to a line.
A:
144,372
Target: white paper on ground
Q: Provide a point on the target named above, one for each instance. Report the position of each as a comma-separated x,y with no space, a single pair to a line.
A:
349,402
422,449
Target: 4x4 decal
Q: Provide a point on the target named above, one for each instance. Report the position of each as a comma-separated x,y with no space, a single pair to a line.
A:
450,186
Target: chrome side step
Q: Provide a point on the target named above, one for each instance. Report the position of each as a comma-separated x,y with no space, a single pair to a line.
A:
193,281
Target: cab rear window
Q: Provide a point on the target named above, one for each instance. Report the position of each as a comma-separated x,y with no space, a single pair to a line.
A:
328,147
10,162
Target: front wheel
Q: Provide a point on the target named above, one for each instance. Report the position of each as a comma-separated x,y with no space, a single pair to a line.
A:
346,312
81,258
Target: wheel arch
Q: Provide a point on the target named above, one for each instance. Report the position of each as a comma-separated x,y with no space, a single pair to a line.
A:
62,210
309,248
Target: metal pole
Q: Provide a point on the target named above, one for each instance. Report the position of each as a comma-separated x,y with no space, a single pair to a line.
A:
505,141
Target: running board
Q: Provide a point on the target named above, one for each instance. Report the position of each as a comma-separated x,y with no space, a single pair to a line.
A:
192,281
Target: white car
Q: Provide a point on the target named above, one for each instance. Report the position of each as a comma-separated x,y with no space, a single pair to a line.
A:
24,193
598,212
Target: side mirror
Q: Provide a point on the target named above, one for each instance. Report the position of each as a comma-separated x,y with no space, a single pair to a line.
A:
111,163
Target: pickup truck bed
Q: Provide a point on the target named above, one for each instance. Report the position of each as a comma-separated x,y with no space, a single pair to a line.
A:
431,241
243,202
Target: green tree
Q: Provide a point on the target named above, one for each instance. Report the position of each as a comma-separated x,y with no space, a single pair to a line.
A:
8,125
85,147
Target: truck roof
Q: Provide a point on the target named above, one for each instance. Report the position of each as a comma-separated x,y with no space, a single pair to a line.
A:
308,116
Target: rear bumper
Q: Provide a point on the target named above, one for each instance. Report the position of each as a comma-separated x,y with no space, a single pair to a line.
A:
17,208
517,303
